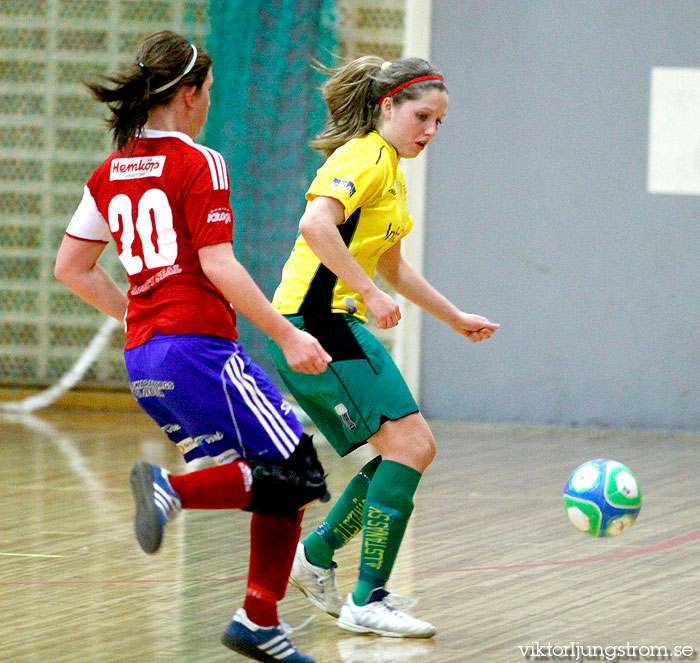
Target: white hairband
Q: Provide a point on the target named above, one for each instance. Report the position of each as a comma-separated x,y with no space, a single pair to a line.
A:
182,75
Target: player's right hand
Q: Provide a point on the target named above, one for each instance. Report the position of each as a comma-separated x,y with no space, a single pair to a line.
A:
384,308
475,327
304,353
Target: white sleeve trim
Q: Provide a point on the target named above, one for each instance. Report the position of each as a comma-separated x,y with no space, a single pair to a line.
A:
87,222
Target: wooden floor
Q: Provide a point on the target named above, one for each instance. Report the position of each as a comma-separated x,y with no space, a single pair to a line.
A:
489,553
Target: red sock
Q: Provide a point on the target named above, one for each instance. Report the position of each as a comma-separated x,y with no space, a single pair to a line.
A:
221,487
273,542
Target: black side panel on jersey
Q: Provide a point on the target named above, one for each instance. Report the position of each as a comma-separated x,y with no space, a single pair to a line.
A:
333,333
319,296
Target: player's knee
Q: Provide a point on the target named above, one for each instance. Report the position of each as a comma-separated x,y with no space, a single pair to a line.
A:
282,488
424,450
409,441
417,451
420,444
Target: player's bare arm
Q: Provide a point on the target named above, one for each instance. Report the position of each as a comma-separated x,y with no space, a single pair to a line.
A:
407,281
302,351
319,226
76,267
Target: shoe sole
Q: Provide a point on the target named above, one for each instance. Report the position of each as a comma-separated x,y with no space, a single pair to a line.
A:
149,536
356,628
313,599
246,649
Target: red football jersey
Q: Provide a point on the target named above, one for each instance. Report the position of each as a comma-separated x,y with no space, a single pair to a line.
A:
162,201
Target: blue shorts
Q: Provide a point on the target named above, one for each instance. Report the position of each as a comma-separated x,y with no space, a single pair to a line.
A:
210,399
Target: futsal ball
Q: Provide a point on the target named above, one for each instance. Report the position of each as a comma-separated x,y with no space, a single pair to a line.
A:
602,498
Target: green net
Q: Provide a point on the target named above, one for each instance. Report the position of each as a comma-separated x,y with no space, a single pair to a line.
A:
265,109
52,136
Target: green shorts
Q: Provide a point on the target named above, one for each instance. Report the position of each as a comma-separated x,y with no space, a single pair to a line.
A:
361,389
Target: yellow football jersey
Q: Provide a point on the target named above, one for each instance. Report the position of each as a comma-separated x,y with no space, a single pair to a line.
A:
364,175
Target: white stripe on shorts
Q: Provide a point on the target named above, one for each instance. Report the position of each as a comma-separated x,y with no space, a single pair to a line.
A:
289,437
270,419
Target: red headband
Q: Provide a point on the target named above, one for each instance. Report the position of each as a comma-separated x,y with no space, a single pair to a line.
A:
398,88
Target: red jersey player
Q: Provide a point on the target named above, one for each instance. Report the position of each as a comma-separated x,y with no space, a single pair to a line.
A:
164,200
162,203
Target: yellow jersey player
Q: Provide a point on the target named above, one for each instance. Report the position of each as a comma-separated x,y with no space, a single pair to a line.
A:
353,225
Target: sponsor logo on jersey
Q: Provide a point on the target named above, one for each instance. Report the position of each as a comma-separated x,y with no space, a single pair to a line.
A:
170,428
144,388
343,184
155,279
395,188
135,168
392,235
220,215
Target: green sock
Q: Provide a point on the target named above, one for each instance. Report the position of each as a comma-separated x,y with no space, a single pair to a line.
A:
387,509
343,521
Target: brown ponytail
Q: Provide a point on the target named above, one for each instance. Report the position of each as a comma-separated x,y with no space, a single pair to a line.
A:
162,58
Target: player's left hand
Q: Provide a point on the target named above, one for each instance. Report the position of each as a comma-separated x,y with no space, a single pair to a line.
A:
475,327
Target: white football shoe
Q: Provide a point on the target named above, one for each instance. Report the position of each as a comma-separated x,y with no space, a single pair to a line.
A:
318,584
382,618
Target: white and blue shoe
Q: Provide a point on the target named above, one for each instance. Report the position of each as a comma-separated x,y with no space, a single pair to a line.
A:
156,504
267,644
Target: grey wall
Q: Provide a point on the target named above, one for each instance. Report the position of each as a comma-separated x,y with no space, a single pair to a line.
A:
538,216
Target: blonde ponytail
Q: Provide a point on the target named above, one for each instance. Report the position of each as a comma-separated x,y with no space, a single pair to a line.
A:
352,92
347,93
